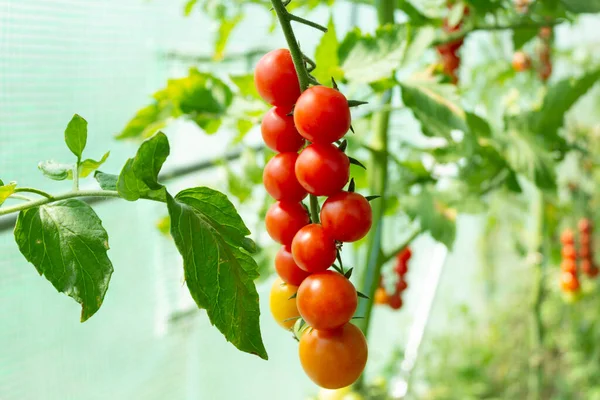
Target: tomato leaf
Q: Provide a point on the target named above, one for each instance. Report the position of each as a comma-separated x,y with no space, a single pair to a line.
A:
245,85
326,56
430,213
145,123
56,171
106,181
88,166
66,243
219,273
226,26
582,6
139,177
76,135
6,191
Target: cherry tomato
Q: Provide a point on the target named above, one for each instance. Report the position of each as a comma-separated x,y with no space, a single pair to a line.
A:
346,216
568,266
521,61
450,48
284,219
322,169
585,251
280,180
404,255
401,268
401,286
568,252
327,300
545,32
322,115
593,272
313,249
287,269
279,132
451,62
584,225
569,282
380,296
586,265
545,71
395,302
283,308
334,359
567,237
276,80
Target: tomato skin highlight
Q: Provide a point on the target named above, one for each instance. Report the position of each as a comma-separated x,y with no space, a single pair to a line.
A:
327,300
322,169
282,307
284,219
313,249
280,180
276,80
322,115
347,217
278,131
334,359
287,269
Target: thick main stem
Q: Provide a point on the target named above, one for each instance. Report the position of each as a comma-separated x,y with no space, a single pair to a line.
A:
65,196
303,78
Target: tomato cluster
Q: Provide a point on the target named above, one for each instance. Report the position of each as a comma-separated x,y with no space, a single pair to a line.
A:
394,300
449,51
305,129
522,6
521,61
544,53
586,254
569,282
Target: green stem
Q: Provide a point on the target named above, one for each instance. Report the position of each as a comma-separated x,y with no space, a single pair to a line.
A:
285,18
33,190
65,196
401,247
307,22
76,176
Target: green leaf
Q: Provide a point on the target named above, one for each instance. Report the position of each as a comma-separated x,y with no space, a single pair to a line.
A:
1,182
582,6
420,42
456,14
525,155
189,7
6,191
238,186
326,56
366,58
523,35
478,126
76,135
88,166
227,25
145,123
220,275
66,243
56,171
432,106
106,181
139,177
245,85
416,17
432,215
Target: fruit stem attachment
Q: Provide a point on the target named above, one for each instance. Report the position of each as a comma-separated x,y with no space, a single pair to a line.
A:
299,60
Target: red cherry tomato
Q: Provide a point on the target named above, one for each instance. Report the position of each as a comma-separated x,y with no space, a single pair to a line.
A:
404,255
326,300
346,216
584,226
334,359
322,169
322,115
283,307
395,302
586,265
401,285
276,80
280,180
284,219
279,132
287,269
521,61
569,282
313,249
567,237
569,266
568,252
401,268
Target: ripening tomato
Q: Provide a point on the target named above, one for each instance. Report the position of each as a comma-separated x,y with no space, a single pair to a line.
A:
278,131
450,62
568,265
521,61
380,296
567,237
569,282
401,268
322,169
584,225
276,80
313,249
283,307
545,32
327,300
450,48
545,71
395,301
284,219
568,252
280,180
287,269
334,359
586,265
404,255
346,217
585,252
322,115
585,242
401,286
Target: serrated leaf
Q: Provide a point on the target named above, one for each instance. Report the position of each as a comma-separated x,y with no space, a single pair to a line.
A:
139,177
6,191
106,181
56,171
245,85
529,159
431,216
146,122
76,135
582,6
326,56
67,244
367,58
220,275
432,106
226,26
